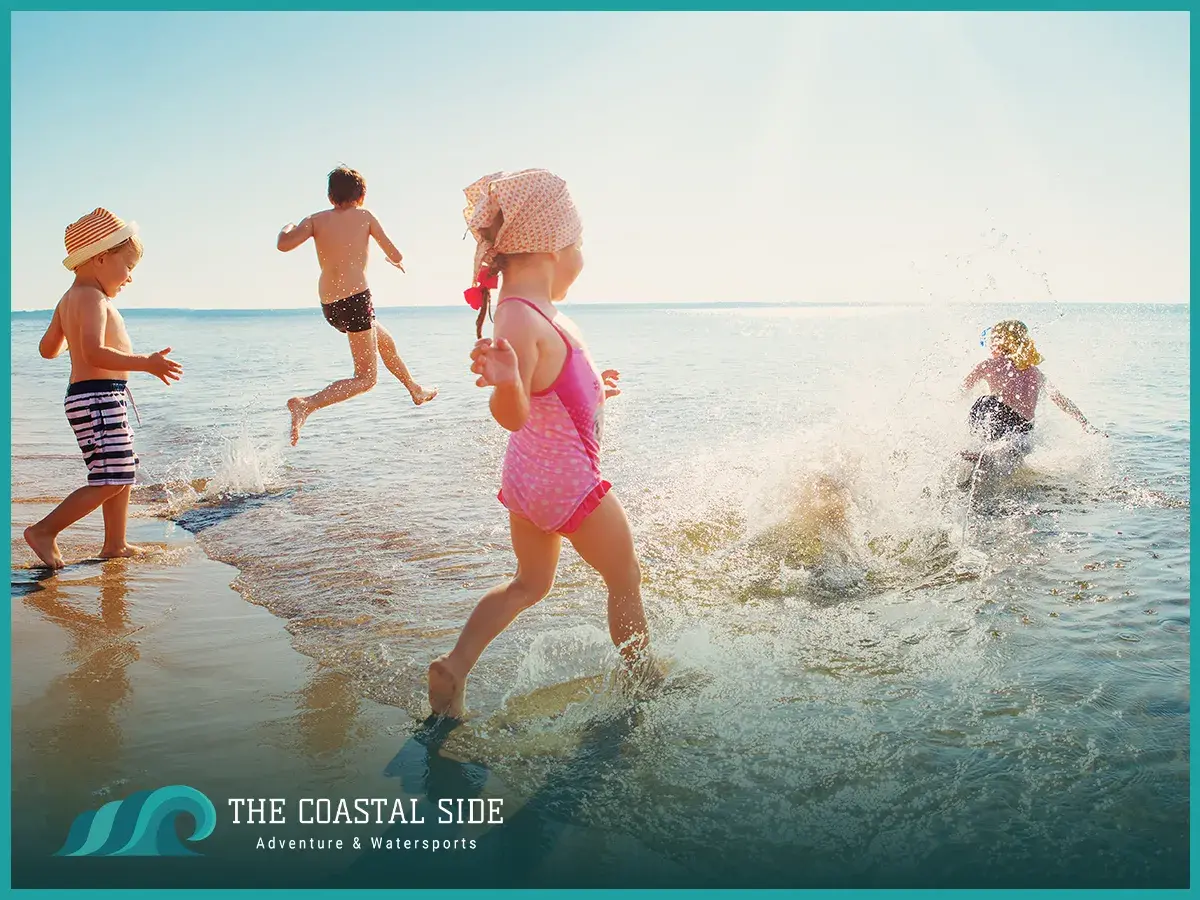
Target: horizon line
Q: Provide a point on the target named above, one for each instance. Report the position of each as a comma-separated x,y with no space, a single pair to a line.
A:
650,304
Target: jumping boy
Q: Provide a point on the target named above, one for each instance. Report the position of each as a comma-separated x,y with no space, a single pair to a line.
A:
102,251
342,237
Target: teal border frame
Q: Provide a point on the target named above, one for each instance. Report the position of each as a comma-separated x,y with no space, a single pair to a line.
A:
524,6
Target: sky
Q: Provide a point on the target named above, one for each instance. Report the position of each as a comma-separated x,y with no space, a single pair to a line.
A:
771,157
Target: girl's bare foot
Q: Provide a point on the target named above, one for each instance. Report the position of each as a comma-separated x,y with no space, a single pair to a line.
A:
299,410
45,546
421,395
446,690
645,675
122,552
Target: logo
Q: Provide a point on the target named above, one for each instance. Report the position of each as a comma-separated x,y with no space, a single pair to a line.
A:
143,824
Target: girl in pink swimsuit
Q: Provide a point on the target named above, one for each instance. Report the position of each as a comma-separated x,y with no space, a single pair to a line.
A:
1016,383
548,394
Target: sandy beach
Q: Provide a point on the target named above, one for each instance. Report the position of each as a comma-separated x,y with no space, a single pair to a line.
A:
129,675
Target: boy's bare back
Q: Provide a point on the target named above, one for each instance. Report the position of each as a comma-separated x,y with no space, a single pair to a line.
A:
342,235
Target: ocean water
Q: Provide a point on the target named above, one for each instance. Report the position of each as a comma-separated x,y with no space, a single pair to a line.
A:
983,687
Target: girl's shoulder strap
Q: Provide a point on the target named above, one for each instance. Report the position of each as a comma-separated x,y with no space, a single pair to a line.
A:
528,303
536,309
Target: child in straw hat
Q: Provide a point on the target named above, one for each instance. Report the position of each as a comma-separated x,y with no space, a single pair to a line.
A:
548,393
342,236
102,251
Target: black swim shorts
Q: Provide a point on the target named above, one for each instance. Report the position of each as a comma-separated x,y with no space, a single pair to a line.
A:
352,314
996,419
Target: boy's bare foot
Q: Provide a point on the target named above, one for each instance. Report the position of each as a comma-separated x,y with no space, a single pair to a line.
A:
299,411
122,552
446,689
45,546
421,395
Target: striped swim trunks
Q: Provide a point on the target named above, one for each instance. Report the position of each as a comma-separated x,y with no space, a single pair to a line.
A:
98,415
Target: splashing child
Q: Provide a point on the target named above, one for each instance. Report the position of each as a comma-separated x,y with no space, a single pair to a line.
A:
342,237
102,251
549,395
1016,384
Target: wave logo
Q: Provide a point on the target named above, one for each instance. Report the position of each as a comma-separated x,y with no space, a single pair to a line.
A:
143,824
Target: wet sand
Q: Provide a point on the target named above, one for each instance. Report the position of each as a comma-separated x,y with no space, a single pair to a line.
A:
131,675
135,674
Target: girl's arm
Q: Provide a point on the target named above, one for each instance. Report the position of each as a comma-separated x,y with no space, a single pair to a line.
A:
1064,403
54,341
973,379
508,364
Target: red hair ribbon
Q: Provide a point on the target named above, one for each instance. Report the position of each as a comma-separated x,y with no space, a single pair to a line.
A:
474,295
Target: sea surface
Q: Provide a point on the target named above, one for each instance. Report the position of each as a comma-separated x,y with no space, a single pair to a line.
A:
985,686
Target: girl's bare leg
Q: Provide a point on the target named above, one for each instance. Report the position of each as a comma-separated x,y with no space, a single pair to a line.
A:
537,560
605,542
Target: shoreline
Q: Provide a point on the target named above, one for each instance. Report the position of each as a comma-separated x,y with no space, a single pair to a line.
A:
130,675
110,656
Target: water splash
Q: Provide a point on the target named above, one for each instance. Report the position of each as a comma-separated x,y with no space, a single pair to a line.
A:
223,470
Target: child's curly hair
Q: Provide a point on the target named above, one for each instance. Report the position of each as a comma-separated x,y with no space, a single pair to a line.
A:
1011,338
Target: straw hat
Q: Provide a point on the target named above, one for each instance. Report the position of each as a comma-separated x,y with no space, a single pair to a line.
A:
96,232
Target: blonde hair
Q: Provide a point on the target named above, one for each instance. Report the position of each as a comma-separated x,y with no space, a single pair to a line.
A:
132,244
1011,338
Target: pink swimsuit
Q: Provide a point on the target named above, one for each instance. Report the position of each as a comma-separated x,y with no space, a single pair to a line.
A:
552,468
1017,388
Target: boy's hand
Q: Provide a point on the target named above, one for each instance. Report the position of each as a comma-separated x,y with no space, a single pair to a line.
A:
495,362
158,365
397,263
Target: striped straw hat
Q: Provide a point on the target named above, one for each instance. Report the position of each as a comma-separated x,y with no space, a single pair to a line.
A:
96,232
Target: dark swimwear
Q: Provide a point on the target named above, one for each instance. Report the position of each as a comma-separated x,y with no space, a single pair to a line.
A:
997,419
351,315
97,412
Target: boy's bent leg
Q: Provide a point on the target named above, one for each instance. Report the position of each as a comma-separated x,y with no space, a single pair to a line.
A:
42,537
391,359
116,518
537,560
364,349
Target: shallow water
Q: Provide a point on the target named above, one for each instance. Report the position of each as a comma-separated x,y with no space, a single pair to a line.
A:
993,689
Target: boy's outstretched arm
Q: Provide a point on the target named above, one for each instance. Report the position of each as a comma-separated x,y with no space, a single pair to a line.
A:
292,236
1064,403
54,341
393,255
92,318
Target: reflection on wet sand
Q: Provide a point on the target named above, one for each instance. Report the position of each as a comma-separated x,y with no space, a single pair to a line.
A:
73,729
329,707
